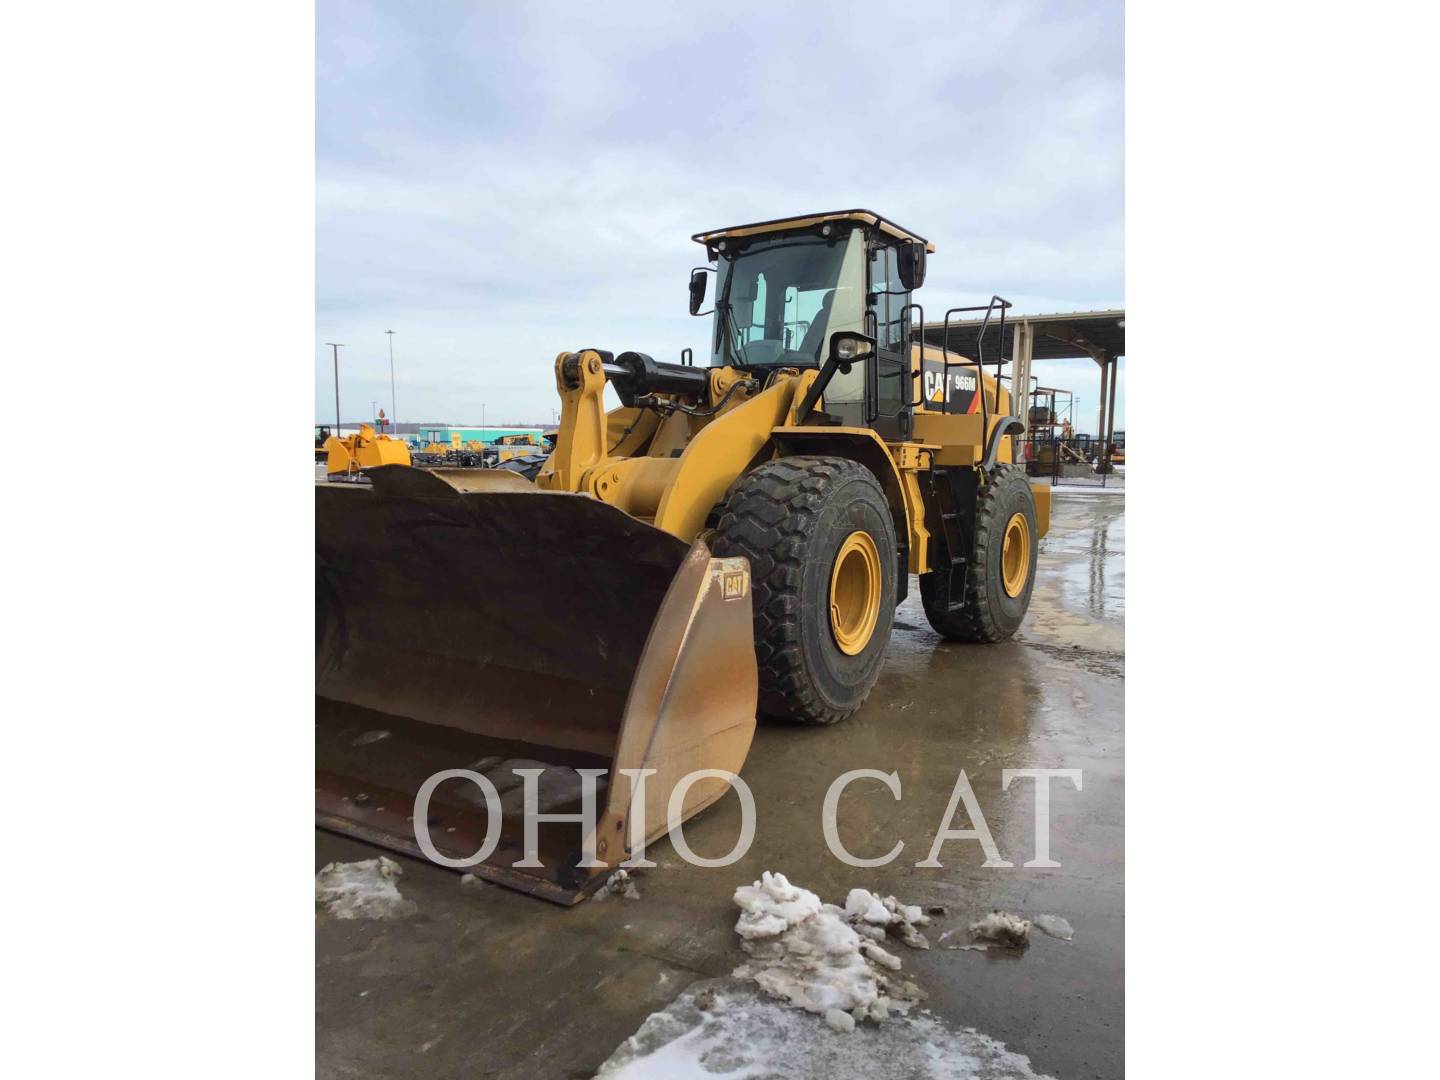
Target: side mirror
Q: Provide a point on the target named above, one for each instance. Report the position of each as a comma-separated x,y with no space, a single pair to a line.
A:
848,347
911,258
697,290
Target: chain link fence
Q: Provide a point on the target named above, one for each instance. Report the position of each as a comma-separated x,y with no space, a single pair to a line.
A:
1073,460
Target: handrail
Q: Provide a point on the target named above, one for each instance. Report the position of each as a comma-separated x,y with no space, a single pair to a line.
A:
979,362
919,373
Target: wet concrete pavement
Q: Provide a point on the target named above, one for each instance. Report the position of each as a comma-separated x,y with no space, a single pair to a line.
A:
486,982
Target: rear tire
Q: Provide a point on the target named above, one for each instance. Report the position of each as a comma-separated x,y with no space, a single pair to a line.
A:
819,535
991,612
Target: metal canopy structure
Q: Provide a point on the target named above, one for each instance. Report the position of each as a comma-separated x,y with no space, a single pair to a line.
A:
1100,335
1057,337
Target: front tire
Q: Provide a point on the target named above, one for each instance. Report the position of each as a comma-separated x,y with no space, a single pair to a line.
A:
1001,572
821,544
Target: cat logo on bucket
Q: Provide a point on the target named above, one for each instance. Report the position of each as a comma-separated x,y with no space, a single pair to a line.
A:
732,585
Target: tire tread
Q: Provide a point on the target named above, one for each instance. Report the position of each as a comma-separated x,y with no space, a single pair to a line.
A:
974,621
767,517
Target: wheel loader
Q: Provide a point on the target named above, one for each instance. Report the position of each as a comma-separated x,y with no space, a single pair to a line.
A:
730,541
348,458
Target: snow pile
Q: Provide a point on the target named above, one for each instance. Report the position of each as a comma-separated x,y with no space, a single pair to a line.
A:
807,953
875,916
620,884
1003,928
724,1028
771,906
362,890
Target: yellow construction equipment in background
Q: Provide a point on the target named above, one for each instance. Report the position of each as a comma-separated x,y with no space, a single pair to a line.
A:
365,450
731,540
508,447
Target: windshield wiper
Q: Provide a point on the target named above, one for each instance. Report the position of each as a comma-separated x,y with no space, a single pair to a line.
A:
734,345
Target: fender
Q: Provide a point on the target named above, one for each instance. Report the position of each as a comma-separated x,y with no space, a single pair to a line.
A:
862,445
721,451
1004,425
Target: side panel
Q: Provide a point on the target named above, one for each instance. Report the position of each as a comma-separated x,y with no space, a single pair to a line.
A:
952,415
959,439
960,397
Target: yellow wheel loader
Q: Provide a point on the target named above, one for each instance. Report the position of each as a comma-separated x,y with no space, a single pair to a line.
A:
346,458
731,541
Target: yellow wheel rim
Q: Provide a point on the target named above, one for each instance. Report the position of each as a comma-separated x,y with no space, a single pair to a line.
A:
1015,555
855,593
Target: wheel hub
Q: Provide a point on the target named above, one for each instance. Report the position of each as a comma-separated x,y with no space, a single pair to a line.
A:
855,593
1015,555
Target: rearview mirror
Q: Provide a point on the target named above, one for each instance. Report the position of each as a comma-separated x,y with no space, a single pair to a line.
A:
911,258
697,290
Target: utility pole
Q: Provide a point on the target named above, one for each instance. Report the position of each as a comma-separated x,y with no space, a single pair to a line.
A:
335,352
482,420
394,420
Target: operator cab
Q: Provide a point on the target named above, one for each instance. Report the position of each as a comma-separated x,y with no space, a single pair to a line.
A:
785,288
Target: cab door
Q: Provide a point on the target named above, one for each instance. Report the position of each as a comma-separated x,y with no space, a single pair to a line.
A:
889,389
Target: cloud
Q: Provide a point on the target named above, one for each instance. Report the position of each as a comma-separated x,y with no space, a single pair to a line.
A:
499,183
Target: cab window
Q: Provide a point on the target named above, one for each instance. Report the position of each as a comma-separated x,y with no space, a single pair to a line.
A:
888,298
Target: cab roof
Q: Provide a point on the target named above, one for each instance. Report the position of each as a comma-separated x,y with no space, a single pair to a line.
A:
805,221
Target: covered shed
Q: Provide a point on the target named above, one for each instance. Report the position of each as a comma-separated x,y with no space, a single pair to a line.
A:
1099,335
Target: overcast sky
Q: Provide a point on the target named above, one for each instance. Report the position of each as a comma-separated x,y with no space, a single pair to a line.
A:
498,182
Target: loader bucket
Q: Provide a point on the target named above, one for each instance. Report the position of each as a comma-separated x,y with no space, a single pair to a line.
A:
477,622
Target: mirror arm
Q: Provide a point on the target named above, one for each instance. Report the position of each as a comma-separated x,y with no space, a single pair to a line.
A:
807,403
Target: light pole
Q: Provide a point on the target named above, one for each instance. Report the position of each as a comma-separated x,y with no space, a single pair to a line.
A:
394,421
335,352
